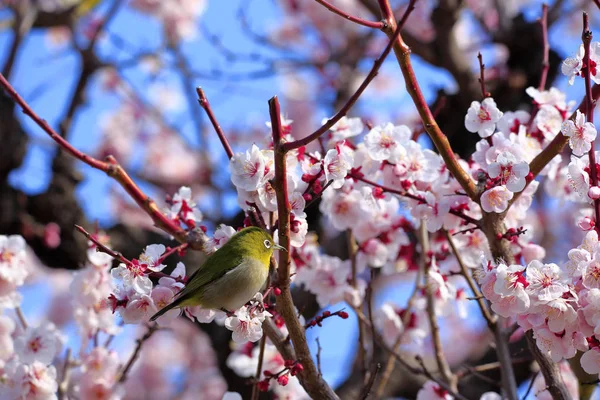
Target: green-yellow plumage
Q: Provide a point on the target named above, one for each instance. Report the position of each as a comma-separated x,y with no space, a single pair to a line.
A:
230,276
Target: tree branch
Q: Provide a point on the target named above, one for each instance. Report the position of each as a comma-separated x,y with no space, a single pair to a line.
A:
352,100
112,168
360,21
310,378
440,140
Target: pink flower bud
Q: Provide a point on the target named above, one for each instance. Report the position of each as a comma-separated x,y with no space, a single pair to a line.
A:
343,314
263,386
586,224
594,193
52,235
283,380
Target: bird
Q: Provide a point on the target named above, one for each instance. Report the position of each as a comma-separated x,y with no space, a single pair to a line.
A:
231,276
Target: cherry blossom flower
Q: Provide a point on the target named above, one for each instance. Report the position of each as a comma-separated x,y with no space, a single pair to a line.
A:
139,309
248,169
132,276
183,207
546,281
151,256
496,199
572,66
345,128
27,381
591,273
221,236
581,134
342,208
510,171
336,165
383,140
482,117
579,178
39,344
246,324
590,360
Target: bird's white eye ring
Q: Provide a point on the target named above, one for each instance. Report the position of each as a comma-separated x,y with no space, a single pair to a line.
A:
268,244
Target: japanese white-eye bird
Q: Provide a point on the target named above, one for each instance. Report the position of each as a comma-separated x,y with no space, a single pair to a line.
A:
231,276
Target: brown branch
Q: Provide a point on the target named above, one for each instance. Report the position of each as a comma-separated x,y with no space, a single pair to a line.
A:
586,37
481,79
352,251
310,378
402,52
442,363
112,168
459,214
545,62
400,359
360,21
353,99
259,365
207,108
136,352
490,319
390,364
366,391
102,248
550,370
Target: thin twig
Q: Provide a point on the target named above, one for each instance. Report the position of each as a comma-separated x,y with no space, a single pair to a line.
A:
391,362
352,100
360,21
366,391
101,247
554,382
545,62
403,52
442,363
420,199
490,319
136,352
484,93
64,379
112,168
586,37
259,366
21,317
352,251
319,349
203,100
533,378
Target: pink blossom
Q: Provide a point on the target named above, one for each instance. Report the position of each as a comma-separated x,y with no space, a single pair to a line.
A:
581,134
384,140
482,117
572,66
496,199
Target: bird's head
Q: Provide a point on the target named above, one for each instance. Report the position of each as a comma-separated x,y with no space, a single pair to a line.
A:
258,243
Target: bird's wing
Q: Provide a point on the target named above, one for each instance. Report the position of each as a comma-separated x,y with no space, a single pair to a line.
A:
209,272
212,269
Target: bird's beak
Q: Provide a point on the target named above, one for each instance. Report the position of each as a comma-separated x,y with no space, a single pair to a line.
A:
278,247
